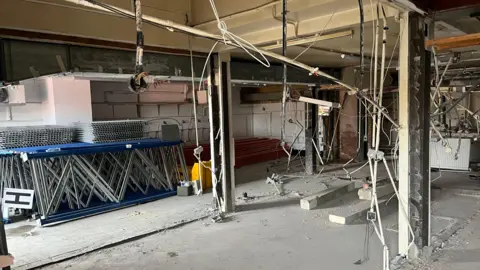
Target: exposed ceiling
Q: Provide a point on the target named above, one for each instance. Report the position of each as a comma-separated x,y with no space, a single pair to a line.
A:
309,18
343,51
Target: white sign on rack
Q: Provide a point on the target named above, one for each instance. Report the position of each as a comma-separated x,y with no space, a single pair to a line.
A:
18,198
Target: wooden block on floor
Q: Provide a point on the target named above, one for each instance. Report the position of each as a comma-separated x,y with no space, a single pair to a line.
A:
310,202
366,194
351,213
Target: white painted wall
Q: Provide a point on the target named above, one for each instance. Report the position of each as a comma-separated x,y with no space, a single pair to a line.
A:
267,122
71,100
30,113
50,101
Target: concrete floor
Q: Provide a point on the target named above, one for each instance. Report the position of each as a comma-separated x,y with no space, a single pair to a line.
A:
266,232
460,252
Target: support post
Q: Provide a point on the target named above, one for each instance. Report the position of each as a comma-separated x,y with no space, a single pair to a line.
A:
310,134
414,136
362,134
214,120
227,145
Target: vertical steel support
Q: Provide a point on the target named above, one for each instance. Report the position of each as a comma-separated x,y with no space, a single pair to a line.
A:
311,135
414,92
362,133
419,123
214,117
404,140
227,143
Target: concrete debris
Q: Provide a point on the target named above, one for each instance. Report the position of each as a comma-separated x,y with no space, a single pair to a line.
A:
172,254
276,182
366,193
313,201
354,212
298,194
247,199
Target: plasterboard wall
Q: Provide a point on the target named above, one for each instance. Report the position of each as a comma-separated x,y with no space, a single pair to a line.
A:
50,101
26,114
112,100
267,122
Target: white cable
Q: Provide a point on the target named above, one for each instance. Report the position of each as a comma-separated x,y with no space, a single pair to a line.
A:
401,202
393,51
205,65
439,82
375,74
358,169
376,138
439,169
194,97
318,36
229,37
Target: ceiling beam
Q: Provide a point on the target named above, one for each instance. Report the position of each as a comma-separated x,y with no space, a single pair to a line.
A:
440,5
454,42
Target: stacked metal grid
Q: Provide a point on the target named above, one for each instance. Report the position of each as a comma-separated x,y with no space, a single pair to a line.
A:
26,136
81,181
111,131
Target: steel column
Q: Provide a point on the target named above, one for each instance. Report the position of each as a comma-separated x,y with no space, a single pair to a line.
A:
362,133
311,136
227,143
414,136
214,120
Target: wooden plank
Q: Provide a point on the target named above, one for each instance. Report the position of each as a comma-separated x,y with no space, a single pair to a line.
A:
454,42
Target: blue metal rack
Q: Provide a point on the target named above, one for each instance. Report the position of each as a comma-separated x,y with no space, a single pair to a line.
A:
81,179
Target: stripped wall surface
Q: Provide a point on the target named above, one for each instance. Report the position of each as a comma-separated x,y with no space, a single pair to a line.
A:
267,122
166,104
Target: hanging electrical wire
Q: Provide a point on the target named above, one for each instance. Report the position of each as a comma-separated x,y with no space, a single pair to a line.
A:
234,39
374,156
138,81
317,36
199,149
172,26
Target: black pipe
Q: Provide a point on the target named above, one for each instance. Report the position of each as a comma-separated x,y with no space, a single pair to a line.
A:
314,129
362,31
284,53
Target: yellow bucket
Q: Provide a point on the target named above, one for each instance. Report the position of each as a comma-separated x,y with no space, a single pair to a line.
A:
205,172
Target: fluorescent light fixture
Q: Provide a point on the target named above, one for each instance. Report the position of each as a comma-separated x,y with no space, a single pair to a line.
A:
320,102
300,41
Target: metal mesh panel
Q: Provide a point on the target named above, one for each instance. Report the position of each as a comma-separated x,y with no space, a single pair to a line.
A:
111,131
26,136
